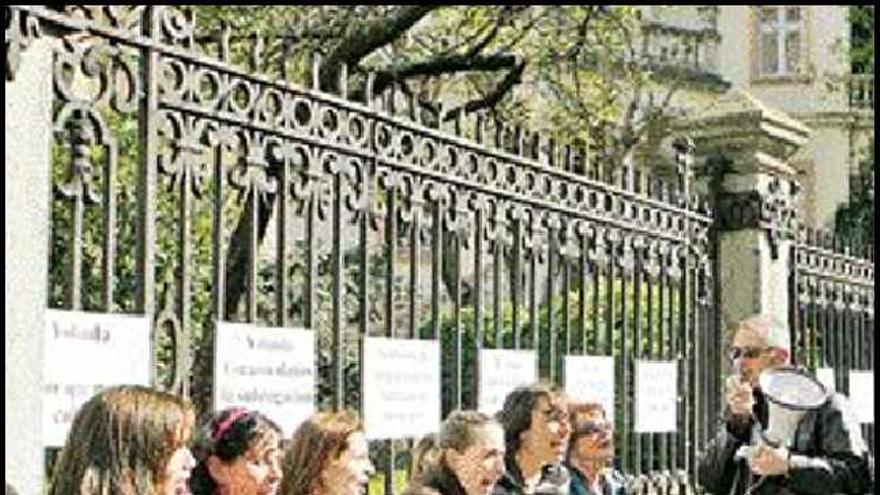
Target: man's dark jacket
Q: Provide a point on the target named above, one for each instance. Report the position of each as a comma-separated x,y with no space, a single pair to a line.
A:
828,455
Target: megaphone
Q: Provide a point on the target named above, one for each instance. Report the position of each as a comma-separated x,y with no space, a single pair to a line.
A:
790,393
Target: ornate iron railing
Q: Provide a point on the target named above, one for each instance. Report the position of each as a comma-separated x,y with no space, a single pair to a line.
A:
377,225
861,91
833,310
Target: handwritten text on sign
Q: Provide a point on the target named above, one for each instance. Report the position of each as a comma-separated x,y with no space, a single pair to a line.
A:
401,387
656,396
271,370
84,354
591,379
861,395
501,371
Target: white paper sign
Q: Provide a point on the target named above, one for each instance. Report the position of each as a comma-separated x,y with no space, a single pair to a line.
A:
401,387
271,370
501,371
84,354
656,396
826,377
591,379
861,394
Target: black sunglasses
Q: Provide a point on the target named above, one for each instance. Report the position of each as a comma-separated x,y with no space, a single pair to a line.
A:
591,427
747,352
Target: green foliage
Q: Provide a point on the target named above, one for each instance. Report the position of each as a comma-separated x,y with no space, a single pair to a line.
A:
862,39
587,337
123,131
577,75
854,220
377,482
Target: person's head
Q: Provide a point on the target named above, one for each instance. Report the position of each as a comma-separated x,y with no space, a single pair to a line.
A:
472,448
328,455
425,455
239,452
592,435
535,421
127,439
759,342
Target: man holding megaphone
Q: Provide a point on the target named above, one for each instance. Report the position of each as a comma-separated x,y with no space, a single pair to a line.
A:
782,432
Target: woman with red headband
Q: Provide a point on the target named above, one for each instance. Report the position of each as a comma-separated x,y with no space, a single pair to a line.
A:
239,454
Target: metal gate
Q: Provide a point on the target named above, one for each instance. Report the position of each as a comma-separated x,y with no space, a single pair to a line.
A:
194,190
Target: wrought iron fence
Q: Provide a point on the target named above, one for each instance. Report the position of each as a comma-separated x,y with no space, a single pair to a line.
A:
833,310
193,190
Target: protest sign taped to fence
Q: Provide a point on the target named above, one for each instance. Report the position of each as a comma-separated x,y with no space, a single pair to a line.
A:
501,371
826,377
85,353
591,379
401,388
861,394
656,396
271,370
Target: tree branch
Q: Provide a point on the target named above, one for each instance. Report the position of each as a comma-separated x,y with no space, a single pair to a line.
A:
368,37
512,78
479,46
582,34
447,64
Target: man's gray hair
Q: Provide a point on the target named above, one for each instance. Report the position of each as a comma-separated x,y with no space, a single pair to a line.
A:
771,328
461,429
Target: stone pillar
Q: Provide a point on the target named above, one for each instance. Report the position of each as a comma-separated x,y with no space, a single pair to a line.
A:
28,141
743,148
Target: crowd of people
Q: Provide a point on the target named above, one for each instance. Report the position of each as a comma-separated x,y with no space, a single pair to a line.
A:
136,440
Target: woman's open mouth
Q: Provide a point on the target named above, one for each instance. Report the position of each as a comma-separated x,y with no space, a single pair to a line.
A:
488,484
181,488
362,486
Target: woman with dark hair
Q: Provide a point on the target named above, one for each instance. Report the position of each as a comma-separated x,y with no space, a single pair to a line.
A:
471,457
128,440
536,431
239,454
328,455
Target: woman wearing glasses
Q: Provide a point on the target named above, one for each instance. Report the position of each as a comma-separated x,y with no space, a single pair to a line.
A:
591,451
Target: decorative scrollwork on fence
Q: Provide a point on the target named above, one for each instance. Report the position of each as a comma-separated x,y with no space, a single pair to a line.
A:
506,201
95,71
773,210
21,29
125,18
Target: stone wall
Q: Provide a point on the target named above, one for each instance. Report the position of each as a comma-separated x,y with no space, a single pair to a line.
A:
28,134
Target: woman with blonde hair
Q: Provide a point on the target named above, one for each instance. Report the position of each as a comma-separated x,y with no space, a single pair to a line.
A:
470,460
328,455
127,440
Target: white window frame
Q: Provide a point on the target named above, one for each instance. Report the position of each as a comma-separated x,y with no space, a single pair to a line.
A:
780,30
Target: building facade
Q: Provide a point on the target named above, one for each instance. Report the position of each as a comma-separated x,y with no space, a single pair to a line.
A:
792,58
